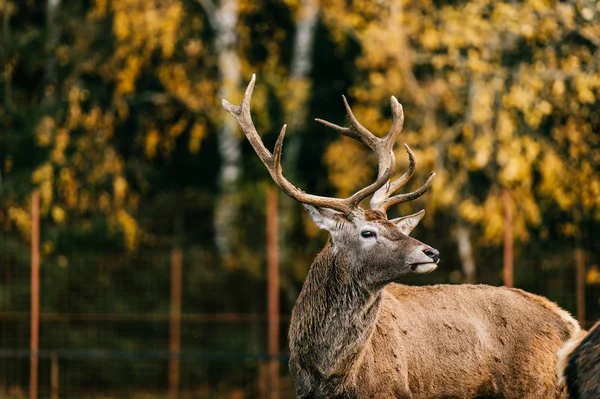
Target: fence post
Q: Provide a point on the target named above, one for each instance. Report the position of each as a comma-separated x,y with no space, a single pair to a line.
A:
579,261
35,294
273,291
54,376
175,322
508,266
580,284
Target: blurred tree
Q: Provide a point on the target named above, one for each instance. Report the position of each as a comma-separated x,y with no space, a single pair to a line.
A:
223,18
296,104
501,89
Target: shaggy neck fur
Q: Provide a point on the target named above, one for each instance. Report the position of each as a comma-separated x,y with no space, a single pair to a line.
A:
333,319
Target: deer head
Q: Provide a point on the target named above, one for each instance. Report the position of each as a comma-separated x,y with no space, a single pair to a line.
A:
376,250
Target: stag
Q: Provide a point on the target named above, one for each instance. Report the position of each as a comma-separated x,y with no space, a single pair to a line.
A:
579,365
356,332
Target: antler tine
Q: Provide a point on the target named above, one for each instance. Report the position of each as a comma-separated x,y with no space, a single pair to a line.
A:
383,147
397,122
381,199
400,198
242,114
390,139
402,180
273,161
384,192
356,132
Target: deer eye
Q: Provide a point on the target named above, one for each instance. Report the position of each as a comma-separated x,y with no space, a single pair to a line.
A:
367,234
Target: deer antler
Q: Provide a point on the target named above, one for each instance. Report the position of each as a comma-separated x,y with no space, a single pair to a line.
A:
273,161
383,148
381,199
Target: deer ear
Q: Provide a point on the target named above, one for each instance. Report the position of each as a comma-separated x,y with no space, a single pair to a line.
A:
325,218
406,224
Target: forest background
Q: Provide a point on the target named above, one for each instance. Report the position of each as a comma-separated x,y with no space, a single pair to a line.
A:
111,110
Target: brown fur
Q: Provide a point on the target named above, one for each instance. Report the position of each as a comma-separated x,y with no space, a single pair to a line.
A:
579,365
464,341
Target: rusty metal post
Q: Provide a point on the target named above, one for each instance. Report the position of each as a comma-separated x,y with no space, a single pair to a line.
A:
175,322
508,266
580,284
579,261
54,376
273,291
35,295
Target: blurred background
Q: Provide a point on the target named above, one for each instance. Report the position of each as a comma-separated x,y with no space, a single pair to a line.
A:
133,212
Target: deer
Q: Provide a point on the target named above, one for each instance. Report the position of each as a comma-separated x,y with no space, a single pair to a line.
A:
578,365
357,332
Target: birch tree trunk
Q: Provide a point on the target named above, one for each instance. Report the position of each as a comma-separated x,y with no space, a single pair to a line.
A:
51,43
299,85
223,19
295,116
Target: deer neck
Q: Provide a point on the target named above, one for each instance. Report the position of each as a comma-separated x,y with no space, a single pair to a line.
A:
333,318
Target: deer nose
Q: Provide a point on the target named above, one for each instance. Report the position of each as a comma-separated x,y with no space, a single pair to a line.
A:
432,253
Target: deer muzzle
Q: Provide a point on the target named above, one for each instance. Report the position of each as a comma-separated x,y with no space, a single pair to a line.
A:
426,263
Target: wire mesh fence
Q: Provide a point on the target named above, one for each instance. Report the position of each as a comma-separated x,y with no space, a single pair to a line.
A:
207,364
118,325
106,330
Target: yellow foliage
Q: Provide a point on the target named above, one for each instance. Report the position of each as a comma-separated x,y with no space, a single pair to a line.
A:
99,9
44,131
592,276
130,229
58,214
197,134
21,218
193,48
127,76
178,128
569,229
153,26
104,201
584,87
505,126
348,168
513,168
84,201
494,220
496,108
554,178
119,189
482,151
445,188
193,94
429,38
151,142
60,145
68,187
43,173
75,96
43,176
79,139
92,119
47,248
470,211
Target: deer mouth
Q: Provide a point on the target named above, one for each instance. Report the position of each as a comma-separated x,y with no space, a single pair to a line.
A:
423,268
